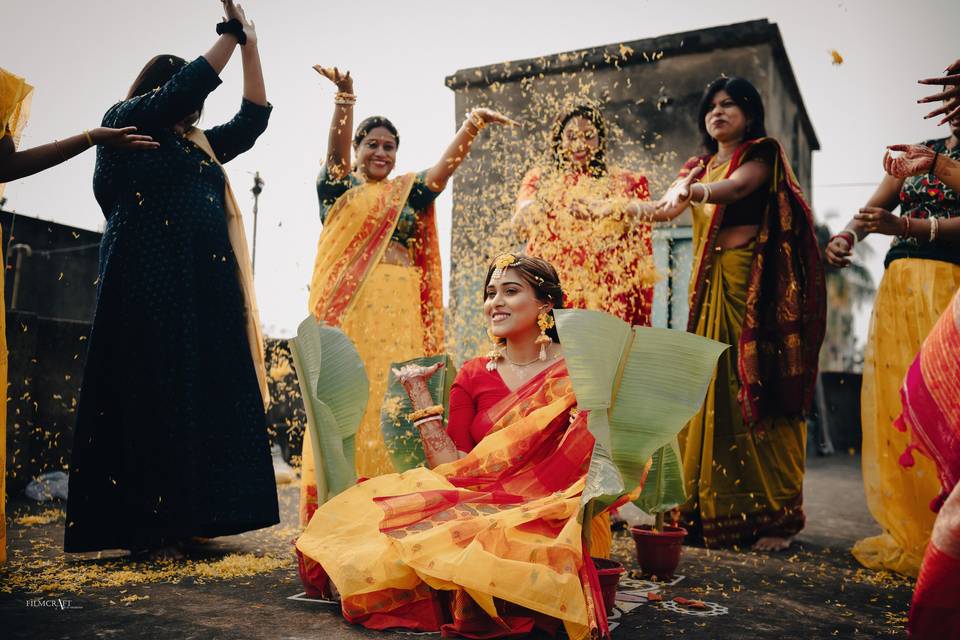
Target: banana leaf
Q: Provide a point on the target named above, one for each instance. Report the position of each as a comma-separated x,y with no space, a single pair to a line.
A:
641,386
664,488
401,438
335,389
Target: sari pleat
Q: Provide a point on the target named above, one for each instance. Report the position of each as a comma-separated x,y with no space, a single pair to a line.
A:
743,482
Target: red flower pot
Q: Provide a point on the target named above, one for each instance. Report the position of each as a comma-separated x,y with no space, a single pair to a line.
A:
658,553
609,572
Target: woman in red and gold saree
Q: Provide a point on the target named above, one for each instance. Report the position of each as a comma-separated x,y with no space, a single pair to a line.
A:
758,286
377,270
931,421
583,217
922,273
487,544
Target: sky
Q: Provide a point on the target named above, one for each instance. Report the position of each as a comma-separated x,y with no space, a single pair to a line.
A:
81,57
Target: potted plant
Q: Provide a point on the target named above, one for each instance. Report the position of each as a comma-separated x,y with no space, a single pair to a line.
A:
641,385
660,545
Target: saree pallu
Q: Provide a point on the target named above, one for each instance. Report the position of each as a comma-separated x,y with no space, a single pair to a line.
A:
744,481
391,313
488,545
910,299
15,97
931,417
785,316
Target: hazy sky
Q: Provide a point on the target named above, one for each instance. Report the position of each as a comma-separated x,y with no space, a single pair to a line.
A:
82,56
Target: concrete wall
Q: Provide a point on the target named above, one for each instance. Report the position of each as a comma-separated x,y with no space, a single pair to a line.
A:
649,91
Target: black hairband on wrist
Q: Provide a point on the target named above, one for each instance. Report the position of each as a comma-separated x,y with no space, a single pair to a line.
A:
234,28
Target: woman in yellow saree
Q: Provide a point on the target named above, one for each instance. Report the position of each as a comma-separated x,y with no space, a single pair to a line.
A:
922,274
757,285
377,270
488,542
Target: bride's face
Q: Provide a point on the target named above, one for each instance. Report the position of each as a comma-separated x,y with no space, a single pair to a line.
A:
511,306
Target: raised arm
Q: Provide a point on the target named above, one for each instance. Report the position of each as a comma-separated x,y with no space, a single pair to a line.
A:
438,175
20,164
185,92
254,89
233,138
341,127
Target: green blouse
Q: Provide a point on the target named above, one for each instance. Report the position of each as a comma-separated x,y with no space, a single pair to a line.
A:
421,196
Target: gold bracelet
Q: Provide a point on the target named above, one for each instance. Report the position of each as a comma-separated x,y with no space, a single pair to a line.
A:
345,98
435,410
478,122
89,139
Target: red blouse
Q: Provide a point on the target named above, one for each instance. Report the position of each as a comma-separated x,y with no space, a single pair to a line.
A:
475,390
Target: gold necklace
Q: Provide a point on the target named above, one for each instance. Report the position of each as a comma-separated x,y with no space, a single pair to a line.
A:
519,364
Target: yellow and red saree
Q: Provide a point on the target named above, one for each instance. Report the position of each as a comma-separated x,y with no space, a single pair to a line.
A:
489,545
391,313
930,397
604,264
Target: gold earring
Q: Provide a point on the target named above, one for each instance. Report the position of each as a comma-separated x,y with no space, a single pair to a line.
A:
495,353
544,321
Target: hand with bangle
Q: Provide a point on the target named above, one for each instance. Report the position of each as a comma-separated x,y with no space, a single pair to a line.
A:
681,191
481,117
840,247
345,96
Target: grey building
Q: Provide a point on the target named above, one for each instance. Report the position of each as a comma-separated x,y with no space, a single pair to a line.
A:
649,91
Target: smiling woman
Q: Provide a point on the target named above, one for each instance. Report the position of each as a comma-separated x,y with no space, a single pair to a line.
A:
378,257
489,543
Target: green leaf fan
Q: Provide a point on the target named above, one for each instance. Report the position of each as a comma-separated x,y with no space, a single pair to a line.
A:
401,438
641,386
335,391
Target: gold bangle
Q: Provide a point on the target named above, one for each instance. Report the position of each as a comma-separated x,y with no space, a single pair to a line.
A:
477,122
435,410
344,98
89,139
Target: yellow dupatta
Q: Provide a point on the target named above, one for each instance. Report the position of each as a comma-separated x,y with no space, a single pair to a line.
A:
238,242
15,98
